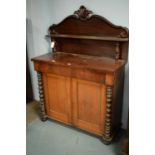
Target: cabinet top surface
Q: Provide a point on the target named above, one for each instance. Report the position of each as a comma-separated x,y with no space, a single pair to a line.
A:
80,61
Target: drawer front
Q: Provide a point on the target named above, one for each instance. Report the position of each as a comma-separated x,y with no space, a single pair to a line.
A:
79,73
86,74
54,69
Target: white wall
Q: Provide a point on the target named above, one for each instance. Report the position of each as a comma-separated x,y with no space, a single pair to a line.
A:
43,13
115,11
37,22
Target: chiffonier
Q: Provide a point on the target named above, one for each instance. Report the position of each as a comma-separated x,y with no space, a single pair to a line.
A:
81,81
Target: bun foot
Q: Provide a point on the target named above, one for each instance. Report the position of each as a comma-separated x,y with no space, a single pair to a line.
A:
106,141
44,119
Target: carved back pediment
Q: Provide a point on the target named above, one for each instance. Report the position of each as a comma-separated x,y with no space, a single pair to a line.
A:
85,22
90,34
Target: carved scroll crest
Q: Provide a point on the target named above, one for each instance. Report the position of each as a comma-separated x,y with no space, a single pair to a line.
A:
83,13
124,33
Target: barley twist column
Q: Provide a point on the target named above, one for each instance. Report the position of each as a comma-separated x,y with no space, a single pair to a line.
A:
41,95
107,135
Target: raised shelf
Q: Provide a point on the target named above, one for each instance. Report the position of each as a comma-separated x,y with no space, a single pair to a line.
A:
88,37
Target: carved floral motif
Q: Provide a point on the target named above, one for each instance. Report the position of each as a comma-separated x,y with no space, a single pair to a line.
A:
123,34
83,13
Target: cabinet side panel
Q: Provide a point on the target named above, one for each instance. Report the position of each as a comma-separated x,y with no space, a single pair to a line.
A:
117,98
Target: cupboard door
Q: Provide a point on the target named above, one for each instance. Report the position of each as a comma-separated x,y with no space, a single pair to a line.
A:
57,97
88,105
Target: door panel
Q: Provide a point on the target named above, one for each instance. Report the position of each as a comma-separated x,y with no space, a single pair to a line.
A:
88,105
57,90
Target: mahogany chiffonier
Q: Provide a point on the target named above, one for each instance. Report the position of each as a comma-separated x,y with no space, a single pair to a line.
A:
81,81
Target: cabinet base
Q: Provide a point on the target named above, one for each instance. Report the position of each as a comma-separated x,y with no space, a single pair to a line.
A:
107,141
110,139
43,119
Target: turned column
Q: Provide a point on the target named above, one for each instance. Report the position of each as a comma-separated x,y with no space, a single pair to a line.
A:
107,137
107,129
117,52
41,96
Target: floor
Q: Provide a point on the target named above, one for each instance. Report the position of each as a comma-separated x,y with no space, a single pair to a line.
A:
53,138
32,111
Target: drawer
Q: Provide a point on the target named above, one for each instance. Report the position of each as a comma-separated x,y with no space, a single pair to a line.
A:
90,75
54,69
80,73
